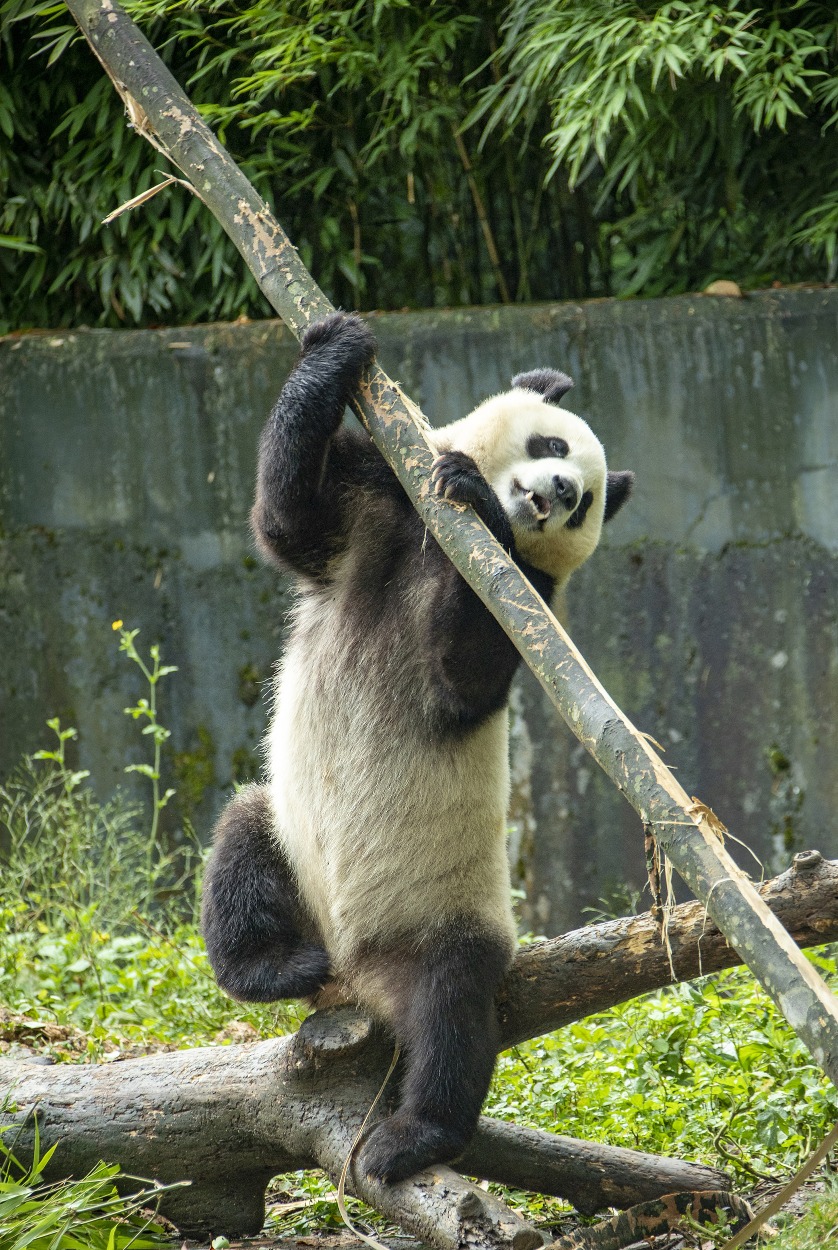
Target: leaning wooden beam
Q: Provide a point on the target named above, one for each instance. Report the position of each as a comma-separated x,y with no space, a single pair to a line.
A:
685,829
231,1117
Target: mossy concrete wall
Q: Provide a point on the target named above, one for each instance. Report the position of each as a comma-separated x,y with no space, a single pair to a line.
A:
710,612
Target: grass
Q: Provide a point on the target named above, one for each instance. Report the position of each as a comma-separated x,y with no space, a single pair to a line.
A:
708,1071
95,936
85,1214
816,1229
100,954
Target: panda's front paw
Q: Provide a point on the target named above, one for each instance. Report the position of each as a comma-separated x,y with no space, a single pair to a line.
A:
342,342
456,476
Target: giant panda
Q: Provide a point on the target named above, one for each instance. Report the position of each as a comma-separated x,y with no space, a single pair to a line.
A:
373,860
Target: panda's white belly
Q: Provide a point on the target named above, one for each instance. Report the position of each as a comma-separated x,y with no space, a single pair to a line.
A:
388,832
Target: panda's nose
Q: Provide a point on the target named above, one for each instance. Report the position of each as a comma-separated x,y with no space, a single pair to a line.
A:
565,492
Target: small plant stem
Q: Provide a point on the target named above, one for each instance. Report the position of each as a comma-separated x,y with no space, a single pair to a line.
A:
155,780
147,708
87,948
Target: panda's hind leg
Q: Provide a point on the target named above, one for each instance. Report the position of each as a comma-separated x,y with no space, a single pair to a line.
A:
259,944
441,1005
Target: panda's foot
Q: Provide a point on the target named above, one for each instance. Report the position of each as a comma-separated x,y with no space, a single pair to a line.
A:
456,476
403,1145
267,978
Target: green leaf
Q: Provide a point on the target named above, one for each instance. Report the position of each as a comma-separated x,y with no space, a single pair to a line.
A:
17,243
145,769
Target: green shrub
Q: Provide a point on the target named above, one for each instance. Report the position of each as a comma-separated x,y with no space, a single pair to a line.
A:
708,131
94,934
707,1071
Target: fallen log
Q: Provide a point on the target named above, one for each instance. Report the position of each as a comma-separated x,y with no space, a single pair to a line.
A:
591,969
229,1118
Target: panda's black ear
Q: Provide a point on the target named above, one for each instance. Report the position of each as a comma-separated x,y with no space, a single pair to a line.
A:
551,383
618,487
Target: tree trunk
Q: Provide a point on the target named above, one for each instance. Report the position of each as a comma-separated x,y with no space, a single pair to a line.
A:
554,983
230,1118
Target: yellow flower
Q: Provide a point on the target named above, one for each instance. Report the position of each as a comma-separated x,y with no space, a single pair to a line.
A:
116,625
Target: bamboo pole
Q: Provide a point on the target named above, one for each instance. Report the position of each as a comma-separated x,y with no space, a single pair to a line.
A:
686,830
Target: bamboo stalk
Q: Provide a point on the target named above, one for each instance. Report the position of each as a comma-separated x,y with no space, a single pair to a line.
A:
482,216
686,830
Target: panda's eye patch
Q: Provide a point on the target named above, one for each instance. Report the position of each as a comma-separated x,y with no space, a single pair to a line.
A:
540,447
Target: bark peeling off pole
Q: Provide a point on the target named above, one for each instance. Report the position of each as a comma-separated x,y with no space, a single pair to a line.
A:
686,832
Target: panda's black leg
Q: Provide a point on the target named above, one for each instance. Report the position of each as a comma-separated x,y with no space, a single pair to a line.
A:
443,1013
250,910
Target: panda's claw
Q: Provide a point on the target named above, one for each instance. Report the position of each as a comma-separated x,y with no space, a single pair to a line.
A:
456,477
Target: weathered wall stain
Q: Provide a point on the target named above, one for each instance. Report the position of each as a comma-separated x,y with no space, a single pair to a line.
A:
710,614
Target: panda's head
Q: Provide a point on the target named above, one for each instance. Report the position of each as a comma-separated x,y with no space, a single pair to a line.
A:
546,466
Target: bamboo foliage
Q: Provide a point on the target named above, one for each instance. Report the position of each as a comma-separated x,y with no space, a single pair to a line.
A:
614,148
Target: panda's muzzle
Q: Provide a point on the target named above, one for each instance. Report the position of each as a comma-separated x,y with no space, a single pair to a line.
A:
542,503
566,493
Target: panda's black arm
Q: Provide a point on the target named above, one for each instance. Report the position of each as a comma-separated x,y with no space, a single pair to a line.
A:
455,476
303,467
473,659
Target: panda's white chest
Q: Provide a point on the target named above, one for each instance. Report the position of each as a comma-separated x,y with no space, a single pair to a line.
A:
387,830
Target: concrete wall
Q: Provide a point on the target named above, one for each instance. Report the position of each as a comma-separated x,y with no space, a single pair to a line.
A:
710,613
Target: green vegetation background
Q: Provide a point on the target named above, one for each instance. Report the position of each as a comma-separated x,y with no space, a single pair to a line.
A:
602,147
616,147
101,958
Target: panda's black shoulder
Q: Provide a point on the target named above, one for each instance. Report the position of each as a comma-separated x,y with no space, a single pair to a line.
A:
355,461
375,510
